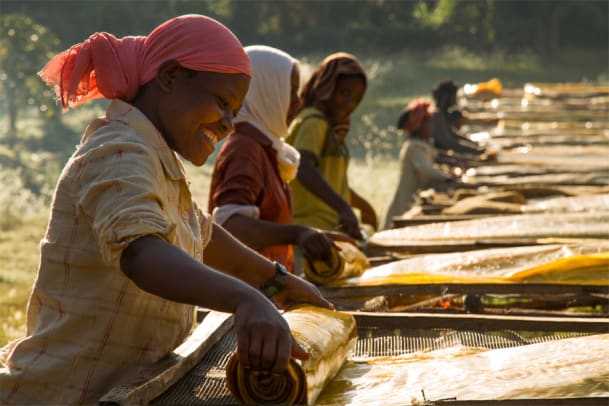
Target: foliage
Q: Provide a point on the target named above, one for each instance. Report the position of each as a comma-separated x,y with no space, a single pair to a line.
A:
19,203
25,48
305,26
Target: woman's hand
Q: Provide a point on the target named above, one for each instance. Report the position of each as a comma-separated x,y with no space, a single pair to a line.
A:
264,341
315,245
348,223
299,291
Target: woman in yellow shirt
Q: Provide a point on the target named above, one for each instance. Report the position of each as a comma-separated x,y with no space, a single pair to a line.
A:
323,197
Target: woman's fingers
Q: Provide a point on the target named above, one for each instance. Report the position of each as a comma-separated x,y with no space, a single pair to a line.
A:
298,352
243,349
264,341
282,354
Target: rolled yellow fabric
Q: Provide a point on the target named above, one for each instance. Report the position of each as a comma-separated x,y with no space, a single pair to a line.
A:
536,264
328,337
347,262
592,269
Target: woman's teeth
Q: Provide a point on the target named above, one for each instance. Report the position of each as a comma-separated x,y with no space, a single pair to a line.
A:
211,136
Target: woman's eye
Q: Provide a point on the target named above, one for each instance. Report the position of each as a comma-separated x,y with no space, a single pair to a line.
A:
223,103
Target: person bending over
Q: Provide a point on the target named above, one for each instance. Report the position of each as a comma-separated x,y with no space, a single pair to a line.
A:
446,137
127,252
249,191
417,170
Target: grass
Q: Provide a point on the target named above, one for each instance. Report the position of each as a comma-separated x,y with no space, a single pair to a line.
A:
18,265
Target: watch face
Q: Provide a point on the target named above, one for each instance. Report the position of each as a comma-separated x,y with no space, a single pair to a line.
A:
281,269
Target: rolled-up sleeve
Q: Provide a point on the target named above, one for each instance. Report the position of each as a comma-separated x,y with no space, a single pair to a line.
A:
120,193
206,223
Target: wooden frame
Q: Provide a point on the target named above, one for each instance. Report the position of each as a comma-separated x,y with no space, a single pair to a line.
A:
519,402
214,326
155,380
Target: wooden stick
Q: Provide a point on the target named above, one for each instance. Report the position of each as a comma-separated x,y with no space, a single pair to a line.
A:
478,322
461,288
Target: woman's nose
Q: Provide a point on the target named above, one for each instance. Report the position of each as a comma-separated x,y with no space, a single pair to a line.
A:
227,123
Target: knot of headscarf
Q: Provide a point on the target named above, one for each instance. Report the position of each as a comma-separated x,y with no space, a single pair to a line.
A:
106,66
267,103
323,80
417,110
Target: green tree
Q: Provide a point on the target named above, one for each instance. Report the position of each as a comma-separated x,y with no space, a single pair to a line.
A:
24,48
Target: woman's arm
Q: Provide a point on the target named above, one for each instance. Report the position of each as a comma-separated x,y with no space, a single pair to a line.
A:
367,211
309,176
263,337
258,234
225,253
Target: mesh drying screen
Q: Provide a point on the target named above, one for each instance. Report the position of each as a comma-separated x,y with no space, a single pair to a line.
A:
205,383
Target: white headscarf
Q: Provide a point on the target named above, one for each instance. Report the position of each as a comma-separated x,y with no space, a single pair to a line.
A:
268,100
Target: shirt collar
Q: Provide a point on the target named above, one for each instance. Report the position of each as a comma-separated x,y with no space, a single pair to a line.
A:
252,131
119,110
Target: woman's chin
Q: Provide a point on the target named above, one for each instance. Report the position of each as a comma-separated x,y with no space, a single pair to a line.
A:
198,160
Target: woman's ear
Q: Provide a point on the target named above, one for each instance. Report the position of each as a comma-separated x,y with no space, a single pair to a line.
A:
167,75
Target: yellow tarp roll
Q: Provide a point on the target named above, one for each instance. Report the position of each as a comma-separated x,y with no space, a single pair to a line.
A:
347,262
327,335
493,86
536,264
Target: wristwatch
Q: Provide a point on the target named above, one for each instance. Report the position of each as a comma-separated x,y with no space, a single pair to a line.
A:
274,285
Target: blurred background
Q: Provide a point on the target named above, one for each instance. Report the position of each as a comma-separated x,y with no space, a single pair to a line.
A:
406,47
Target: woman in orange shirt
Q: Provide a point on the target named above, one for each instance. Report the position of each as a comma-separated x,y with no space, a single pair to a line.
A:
249,191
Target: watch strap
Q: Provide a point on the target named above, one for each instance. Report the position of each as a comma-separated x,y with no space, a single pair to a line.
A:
276,284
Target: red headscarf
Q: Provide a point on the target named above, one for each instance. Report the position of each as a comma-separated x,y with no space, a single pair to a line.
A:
417,110
105,66
321,83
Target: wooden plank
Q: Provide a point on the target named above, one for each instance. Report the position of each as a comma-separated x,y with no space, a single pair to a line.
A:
477,322
155,380
399,222
461,288
588,401
412,247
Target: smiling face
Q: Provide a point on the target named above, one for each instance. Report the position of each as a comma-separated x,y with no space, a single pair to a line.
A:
347,94
196,109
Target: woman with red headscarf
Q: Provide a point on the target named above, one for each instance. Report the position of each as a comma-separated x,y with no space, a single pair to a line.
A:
417,170
127,253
